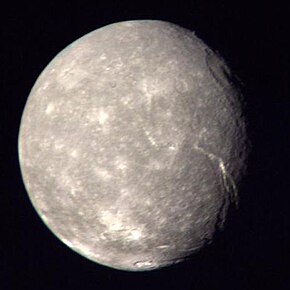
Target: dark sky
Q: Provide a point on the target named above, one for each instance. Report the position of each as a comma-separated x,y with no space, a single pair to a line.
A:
252,251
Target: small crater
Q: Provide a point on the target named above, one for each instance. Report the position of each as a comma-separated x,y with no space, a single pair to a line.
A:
172,146
49,109
182,86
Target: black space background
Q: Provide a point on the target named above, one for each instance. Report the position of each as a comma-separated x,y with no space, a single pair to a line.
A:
252,251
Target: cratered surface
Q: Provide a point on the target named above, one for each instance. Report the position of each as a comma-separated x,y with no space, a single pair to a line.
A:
131,143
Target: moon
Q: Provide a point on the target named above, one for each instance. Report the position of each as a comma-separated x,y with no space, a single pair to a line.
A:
132,144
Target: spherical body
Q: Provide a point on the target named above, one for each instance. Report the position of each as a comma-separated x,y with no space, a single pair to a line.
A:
131,144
